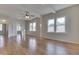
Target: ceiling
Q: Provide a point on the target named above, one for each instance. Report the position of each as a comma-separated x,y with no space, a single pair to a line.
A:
17,11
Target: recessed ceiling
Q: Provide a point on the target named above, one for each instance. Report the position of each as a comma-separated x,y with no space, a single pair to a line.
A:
17,11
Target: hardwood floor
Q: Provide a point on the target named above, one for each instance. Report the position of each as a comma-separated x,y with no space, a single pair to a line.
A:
35,46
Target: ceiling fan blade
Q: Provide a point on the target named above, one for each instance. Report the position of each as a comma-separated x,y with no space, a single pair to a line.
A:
32,15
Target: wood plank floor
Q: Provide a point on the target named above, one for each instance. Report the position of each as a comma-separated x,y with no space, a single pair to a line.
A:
35,46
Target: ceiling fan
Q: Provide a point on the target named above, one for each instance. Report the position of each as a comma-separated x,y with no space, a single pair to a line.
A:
28,15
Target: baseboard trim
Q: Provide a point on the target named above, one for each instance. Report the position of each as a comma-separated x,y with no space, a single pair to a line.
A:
32,35
62,41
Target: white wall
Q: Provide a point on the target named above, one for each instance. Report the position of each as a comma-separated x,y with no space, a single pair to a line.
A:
37,32
4,26
12,30
72,25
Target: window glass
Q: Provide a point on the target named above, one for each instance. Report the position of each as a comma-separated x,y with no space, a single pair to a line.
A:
18,27
60,24
51,25
34,26
0,27
30,27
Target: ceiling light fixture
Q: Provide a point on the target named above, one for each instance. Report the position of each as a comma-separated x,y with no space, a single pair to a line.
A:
27,16
4,20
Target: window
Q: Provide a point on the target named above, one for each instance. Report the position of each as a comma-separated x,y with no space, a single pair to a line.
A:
60,24
32,26
0,27
18,27
51,25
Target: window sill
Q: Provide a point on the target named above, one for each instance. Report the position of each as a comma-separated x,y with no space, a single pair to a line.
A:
61,32
32,31
57,32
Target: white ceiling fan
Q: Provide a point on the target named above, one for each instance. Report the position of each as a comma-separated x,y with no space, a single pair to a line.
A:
28,15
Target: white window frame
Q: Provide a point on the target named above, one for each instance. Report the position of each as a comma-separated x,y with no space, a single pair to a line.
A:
48,25
19,27
32,26
61,24
1,27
